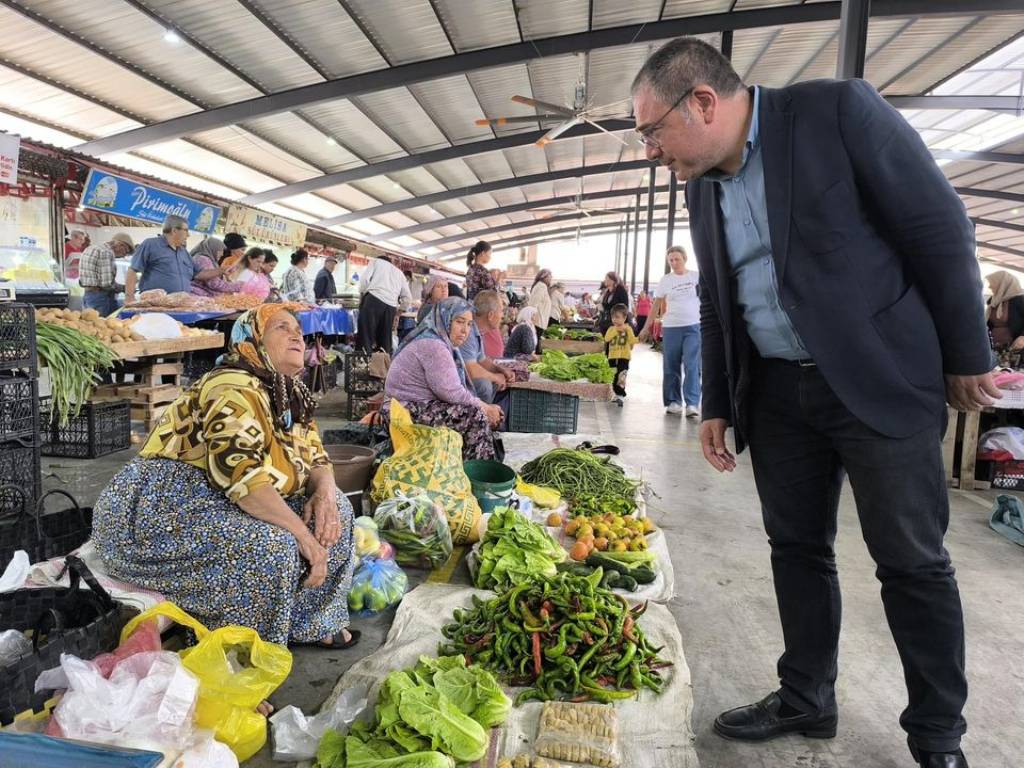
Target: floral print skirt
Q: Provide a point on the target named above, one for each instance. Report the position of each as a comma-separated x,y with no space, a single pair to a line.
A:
161,525
468,420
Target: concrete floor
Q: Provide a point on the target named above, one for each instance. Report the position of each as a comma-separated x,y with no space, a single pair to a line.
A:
725,604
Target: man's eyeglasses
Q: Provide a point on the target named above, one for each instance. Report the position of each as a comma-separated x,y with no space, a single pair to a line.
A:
646,136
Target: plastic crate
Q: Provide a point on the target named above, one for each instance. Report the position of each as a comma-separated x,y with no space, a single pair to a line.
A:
98,429
532,410
19,404
17,336
19,466
357,375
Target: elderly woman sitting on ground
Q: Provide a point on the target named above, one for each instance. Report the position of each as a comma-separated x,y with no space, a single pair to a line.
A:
230,510
428,377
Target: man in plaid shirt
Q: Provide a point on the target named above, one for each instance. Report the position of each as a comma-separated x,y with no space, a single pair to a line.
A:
98,273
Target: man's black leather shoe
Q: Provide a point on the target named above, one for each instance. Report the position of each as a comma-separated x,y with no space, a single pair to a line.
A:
937,759
756,722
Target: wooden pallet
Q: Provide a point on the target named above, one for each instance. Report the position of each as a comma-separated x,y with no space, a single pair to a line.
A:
960,451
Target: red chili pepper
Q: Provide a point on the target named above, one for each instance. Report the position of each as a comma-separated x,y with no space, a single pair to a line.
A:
587,638
537,661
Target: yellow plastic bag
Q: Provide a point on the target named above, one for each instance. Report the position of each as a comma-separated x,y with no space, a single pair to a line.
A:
541,495
228,700
429,459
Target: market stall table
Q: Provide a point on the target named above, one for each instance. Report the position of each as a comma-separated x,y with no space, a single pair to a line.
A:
155,368
328,320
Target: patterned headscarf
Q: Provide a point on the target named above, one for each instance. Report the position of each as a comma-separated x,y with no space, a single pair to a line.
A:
428,287
438,325
1004,287
211,247
527,316
290,401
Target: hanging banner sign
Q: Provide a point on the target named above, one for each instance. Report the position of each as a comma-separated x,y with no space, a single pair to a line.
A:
357,259
114,194
10,147
264,227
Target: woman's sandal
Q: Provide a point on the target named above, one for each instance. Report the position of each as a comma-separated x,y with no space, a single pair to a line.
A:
338,640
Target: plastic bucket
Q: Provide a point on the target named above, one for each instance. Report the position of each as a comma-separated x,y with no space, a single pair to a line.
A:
352,467
492,482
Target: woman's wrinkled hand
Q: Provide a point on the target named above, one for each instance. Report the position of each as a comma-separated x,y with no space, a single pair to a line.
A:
316,555
322,509
494,414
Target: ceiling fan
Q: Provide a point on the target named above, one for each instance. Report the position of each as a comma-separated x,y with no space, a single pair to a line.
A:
568,117
576,206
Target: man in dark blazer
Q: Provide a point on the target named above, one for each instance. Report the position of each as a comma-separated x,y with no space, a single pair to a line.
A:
841,307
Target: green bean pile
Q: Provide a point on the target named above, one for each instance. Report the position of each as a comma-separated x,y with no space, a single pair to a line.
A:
580,475
563,636
74,360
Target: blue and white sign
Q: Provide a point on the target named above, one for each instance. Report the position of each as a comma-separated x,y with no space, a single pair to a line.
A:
115,194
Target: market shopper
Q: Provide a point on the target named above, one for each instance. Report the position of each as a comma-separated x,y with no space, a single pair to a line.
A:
557,294
643,310
540,299
488,378
234,246
434,291
206,256
428,377
230,510
840,310
296,285
165,263
98,273
613,293
677,309
522,341
76,243
324,288
383,289
1005,311
478,277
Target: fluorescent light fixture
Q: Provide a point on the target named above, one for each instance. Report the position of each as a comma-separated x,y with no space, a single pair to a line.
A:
171,36
331,141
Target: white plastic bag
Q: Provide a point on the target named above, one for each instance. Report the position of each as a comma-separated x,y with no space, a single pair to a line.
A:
206,752
1009,439
16,572
296,736
148,702
13,645
157,325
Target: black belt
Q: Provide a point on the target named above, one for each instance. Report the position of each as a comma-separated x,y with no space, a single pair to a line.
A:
90,289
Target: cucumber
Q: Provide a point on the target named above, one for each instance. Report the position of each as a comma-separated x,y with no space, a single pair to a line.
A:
610,579
627,583
643,574
596,560
574,568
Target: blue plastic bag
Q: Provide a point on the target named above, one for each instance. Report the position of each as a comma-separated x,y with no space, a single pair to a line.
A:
31,750
376,586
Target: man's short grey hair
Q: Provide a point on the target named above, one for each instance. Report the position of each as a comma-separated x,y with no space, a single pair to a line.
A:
486,302
685,63
74,232
174,222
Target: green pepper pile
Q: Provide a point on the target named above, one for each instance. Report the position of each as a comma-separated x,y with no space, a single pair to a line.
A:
592,484
570,334
556,365
563,636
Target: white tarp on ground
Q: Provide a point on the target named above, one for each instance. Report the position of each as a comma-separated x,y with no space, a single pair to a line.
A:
654,731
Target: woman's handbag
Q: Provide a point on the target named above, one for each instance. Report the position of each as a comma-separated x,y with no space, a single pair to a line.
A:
43,535
83,623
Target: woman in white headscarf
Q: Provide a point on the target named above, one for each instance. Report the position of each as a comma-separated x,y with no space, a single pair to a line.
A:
522,342
1005,313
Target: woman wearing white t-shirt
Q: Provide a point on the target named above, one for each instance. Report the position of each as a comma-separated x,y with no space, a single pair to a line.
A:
677,307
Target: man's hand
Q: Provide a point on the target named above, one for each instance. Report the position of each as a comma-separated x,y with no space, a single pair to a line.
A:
322,509
508,373
712,442
971,393
499,382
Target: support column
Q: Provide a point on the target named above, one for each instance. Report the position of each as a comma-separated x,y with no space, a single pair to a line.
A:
636,243
726,46
618,244
853,36
650,228
625,247
673,188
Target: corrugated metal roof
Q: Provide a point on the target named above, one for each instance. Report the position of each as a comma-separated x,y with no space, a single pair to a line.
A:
407,30
353,128
475,24
613,13
324,30
451,104
84,70
746,5
400,115
526,161
547,18
789,51
454,174
611,73
489,167
235,34
678,8
495,87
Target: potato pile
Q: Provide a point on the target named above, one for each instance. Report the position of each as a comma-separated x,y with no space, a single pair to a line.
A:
92,323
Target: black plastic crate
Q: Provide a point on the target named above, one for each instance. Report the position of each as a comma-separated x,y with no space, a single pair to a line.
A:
357,375
17,336
19,406
322,377
531,410
20,466
98,429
